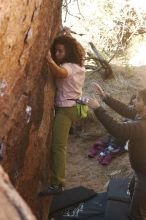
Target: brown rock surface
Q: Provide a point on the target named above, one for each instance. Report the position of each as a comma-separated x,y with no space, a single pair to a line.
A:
12,205
26,94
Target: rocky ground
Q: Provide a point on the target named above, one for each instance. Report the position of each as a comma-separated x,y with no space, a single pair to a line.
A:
88,172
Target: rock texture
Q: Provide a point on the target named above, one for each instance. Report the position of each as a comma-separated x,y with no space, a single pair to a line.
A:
16,207
27,29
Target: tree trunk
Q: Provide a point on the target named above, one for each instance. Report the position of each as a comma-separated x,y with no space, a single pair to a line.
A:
27,29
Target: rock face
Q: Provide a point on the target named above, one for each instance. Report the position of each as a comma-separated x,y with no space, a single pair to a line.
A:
16,207
27,29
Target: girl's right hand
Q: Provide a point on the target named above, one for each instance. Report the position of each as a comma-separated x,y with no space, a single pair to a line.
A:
66,31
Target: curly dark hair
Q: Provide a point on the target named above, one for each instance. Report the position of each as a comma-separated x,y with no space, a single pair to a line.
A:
75,53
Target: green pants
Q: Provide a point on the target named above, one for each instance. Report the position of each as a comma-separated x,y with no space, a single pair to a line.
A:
64,118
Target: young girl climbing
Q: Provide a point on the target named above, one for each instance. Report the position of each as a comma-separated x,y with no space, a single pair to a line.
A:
66,62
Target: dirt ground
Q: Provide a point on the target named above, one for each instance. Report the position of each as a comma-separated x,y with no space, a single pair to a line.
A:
80,169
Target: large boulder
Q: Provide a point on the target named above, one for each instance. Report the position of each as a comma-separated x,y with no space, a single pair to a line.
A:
26,94
12,205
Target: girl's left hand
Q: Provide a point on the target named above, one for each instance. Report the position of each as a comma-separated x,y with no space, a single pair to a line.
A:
49,58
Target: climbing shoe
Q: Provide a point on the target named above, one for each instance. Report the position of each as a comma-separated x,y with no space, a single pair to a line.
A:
51,190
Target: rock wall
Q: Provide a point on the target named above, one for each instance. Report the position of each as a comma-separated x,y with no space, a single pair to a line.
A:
27,29
16,207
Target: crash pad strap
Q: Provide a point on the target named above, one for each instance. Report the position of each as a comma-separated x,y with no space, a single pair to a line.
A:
118,190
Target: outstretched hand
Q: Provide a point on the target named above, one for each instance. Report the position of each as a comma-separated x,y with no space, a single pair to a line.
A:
99,91
93,103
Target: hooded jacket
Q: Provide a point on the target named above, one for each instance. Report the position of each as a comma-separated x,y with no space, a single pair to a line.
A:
133,130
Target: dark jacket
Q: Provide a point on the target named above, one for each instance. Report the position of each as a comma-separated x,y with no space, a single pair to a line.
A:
133,130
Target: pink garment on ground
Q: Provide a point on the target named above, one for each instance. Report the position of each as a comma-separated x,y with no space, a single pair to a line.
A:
71,86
